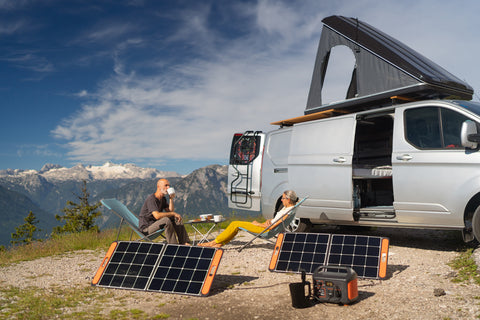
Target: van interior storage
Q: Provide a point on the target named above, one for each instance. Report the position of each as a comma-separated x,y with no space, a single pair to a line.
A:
372,165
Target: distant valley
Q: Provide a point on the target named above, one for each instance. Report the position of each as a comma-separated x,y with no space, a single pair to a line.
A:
47,191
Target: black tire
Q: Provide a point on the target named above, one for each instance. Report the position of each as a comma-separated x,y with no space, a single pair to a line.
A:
299,225
476,224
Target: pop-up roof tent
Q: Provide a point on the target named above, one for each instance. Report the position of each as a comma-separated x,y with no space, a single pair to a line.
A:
384,68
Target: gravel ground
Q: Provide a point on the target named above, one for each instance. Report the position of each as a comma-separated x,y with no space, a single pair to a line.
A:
244,288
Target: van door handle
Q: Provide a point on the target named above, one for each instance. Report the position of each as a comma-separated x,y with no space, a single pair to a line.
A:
404,157
339,160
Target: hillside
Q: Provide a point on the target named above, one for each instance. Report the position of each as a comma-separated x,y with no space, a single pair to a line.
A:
47,191
14,208
202,191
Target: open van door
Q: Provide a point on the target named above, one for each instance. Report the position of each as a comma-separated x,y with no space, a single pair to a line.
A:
244,171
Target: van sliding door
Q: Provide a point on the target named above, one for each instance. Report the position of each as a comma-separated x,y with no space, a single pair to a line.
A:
320,165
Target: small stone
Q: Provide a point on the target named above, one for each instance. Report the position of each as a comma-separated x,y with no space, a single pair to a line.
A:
437,292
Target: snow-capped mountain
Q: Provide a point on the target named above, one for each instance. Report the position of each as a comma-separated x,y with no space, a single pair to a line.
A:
108,171
53,185
47,191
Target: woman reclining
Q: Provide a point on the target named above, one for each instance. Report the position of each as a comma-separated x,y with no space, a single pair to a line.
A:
289,198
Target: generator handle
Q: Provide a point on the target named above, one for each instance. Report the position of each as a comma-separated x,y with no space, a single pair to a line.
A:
349,271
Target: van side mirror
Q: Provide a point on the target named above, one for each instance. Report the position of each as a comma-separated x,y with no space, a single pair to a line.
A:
469,135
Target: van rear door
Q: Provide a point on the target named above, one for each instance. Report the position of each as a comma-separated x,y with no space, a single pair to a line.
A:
244,171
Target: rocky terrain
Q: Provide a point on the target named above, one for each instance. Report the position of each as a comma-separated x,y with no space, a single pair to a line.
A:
418,284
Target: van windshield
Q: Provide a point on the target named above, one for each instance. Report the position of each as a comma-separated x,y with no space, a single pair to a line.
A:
469,105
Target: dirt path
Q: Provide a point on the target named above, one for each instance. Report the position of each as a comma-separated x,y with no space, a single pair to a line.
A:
244,288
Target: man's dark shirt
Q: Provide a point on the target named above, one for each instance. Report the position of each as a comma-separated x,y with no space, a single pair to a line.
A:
151,204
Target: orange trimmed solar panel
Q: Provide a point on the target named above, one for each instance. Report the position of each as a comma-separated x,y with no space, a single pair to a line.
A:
367,255
159,267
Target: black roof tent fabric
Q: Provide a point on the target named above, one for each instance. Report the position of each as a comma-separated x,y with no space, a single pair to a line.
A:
384,68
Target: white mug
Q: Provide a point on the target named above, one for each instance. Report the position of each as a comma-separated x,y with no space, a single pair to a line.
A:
170,191
217,218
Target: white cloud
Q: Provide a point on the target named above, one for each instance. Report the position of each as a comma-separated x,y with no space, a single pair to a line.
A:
194,26
191,110
239,88
82,93
108,32
13,5
8,28
30,60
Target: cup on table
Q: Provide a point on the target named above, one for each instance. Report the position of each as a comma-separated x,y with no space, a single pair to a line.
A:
217,218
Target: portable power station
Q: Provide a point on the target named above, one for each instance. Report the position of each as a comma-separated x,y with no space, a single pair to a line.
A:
335,284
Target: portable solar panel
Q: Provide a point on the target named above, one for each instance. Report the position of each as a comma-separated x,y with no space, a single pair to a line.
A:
294,252
159,267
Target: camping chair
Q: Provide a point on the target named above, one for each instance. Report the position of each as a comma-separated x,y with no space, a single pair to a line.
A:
127,216
276,228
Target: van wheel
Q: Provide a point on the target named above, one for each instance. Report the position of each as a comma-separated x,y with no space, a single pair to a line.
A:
476,224
299,225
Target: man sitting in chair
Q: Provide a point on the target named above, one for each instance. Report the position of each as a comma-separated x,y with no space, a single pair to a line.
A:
289,198
156,214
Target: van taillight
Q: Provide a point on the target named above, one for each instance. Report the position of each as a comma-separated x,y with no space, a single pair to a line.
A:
261,169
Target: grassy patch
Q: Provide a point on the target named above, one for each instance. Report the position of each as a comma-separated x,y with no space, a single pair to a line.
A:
128,314
88,240
466,267
60,302
57,245
64,303
34,303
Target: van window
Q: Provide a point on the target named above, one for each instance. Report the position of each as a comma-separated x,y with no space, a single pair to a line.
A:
337,79
452,127
279,147
433,128
244,149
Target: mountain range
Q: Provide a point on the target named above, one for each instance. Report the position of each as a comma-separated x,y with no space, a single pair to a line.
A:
47,191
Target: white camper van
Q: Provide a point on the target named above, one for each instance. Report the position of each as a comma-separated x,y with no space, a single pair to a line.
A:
400,155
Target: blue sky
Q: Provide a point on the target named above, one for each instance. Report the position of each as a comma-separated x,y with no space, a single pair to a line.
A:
165,84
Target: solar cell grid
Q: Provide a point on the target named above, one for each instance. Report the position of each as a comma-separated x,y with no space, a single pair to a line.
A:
353,251
187,265
301,251
159,267
295,252
130,265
